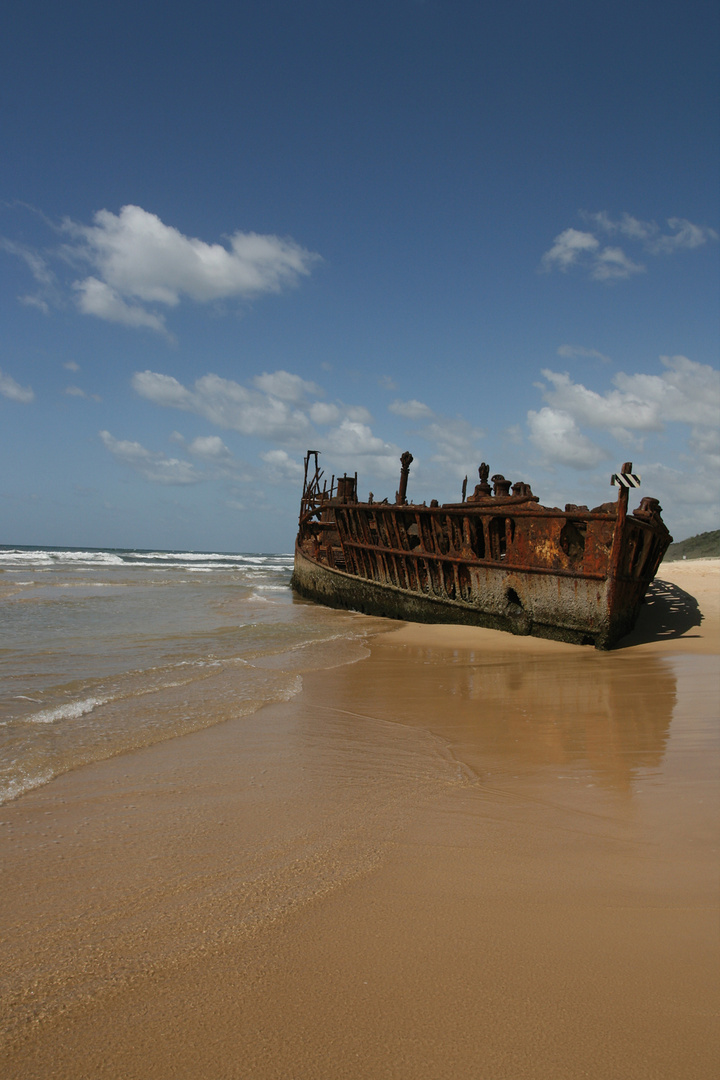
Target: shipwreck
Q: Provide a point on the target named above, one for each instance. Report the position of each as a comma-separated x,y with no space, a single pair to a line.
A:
496,559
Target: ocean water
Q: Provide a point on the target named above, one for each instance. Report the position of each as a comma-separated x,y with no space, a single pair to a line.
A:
105,651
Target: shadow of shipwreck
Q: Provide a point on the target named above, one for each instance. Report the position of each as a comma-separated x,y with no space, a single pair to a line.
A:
668,612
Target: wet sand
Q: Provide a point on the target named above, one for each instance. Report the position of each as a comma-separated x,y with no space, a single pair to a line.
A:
467,855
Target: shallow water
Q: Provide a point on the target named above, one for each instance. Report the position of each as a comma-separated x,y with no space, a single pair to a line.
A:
106,651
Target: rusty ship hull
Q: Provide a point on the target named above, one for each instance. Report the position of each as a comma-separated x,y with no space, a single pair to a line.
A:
497,560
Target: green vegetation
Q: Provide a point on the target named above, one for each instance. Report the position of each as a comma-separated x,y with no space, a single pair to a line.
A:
703,546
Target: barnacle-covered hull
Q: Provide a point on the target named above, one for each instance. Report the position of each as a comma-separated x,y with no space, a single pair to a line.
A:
496,560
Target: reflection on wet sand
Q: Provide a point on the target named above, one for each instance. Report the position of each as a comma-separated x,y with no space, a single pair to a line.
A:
605,714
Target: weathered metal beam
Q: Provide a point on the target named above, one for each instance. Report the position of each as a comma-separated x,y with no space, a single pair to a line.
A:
501,564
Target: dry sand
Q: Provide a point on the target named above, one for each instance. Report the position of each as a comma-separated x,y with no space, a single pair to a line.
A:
469,855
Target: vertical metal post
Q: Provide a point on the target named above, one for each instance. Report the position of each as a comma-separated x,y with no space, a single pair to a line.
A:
405,462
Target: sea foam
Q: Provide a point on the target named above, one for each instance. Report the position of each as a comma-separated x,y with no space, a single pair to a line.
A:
72,710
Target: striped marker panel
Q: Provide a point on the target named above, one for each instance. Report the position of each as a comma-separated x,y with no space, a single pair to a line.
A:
625,479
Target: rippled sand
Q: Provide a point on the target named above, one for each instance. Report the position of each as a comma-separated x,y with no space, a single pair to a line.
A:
469,855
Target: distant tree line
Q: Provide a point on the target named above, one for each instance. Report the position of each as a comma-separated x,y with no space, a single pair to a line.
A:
703,546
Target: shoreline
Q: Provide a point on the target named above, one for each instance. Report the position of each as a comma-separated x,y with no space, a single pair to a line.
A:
467,854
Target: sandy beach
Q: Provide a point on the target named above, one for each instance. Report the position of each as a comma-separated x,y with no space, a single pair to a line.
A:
466,855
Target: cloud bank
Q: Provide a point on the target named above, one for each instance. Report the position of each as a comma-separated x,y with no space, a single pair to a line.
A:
638,406
667,421
283,410
280,409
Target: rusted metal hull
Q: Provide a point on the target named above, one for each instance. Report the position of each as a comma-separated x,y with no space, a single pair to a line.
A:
501,561
336,588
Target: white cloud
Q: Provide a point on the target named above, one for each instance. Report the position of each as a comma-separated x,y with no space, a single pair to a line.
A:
36,302
98,298
128,264
137,260
210,448
514,434
705,444
347,436
39,267
287,387
283,466
162,390
412,410
77,391
353,446
155,467
567,249
71,365
352,437
227,404
612,262
582,250
13,390
560,441
626,225
683,233
686,235
357,413
323,413
697,489
257,412
454,440
617,411
569,352
687,391
35,262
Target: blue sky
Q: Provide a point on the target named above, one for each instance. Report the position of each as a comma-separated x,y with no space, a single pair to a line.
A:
233,231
